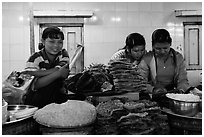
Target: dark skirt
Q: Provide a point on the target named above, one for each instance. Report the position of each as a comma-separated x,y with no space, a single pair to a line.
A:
53,93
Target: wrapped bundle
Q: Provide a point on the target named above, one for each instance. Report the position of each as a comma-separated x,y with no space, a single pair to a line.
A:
95,79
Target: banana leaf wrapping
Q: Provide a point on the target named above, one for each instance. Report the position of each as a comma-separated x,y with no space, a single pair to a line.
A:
95,79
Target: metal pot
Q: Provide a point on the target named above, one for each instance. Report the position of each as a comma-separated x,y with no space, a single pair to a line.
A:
184,107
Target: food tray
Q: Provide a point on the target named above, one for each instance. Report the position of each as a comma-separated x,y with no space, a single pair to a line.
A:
20,112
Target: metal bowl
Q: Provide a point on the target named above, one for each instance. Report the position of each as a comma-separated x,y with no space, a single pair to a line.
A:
186,108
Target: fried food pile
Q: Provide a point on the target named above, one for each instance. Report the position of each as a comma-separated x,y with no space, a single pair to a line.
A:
121,116
126,77
94,79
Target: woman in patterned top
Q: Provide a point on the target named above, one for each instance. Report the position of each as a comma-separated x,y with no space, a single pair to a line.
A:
133,50
50,66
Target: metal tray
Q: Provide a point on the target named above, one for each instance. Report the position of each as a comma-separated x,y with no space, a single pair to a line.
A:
21,112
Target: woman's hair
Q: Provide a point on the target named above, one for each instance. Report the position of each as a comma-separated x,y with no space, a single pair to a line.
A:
134,39
40,46
53,33
160,36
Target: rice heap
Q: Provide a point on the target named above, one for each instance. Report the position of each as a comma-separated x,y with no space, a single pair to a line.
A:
72,113
184,97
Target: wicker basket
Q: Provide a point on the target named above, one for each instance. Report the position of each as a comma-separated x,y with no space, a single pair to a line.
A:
180,124
24,127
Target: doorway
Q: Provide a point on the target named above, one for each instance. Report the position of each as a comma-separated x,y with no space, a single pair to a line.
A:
193,45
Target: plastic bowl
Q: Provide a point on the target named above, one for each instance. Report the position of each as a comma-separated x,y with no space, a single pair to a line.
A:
184,107
4,112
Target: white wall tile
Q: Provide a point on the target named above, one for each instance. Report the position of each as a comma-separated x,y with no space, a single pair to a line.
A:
121,19
109,6
157,6
144,6
133,19
17,53
121,34
121,6
157,19
109,34
16,5
108,18
5,35
5,69
5,6
133,6
144,19
17,65
94,33
16,35
5,52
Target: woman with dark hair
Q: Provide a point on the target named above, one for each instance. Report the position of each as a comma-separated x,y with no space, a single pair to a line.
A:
50,67
134,49
164,68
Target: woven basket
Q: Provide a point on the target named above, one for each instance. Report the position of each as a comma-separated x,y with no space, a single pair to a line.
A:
184,124
25,127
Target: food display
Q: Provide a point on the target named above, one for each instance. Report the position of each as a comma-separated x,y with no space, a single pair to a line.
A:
120,116
126,77
72,113
94,79
106,109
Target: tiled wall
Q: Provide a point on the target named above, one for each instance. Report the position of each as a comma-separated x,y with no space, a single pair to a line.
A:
104,34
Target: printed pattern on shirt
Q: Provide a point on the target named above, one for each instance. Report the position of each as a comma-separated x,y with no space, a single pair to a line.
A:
119,55
39,60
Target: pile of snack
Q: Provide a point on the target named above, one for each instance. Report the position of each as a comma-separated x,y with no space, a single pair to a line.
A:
121,116
94,79
126,77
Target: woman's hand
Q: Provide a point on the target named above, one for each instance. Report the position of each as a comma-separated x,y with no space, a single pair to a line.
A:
196,91
12,95
27,72
159,91
64,71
